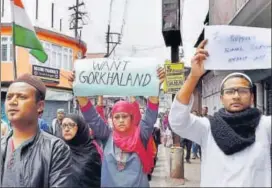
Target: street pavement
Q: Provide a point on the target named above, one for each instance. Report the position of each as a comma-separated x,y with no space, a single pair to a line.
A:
161,174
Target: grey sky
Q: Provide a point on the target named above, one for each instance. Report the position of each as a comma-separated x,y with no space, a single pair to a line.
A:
142,28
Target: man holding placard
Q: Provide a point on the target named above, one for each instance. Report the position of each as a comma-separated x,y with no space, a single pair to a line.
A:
235,141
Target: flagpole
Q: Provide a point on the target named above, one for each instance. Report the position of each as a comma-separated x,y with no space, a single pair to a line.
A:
0,37
14,53
13,45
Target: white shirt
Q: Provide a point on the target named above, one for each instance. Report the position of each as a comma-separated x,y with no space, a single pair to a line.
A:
250,167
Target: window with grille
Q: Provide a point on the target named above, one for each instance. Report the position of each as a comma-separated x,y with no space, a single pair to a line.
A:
6,49
58,57
70,59
65,62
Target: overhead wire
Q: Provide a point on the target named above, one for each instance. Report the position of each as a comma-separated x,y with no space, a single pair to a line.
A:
144,49
123,21
111,3
124,18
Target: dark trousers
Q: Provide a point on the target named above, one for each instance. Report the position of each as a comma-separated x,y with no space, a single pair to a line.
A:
188,144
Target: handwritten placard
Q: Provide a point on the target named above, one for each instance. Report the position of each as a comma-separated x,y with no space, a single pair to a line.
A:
174,77
119,77
237,48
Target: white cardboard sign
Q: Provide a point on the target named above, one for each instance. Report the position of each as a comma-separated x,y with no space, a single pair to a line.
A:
237,48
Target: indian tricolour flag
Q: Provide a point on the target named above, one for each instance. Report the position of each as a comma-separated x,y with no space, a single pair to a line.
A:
24,34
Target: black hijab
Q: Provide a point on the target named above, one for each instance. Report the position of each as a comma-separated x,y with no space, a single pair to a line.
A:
85,157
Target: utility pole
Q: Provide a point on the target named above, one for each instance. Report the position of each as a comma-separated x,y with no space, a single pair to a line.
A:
112,39
52,15
172,38
37,9
76,23
2,8
172,34
77,18
60,26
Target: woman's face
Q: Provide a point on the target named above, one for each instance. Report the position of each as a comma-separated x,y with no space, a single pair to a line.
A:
122,121
69,129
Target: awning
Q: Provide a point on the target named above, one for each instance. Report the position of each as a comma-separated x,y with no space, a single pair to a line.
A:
58,95
255,14
258,75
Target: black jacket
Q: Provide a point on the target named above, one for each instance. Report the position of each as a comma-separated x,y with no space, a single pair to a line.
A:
45,162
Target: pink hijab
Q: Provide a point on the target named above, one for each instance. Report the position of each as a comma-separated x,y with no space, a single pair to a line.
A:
130,141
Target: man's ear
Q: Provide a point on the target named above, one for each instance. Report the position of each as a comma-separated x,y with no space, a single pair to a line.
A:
40,105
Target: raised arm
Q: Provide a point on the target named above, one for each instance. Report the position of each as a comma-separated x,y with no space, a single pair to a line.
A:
181,121
100,129
137,113
100,108
149,119
151,114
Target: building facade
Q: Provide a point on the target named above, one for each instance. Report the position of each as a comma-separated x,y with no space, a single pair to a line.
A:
253,13
62,51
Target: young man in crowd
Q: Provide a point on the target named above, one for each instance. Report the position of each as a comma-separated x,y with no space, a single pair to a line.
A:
30,157
235,141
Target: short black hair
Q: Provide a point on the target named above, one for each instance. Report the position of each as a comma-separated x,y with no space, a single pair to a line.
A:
236,76
38,96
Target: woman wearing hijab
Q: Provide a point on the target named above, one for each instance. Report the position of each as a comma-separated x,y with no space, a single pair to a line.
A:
86,161
128,147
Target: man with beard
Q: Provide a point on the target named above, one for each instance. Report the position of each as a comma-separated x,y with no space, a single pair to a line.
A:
205,111
235,141
31,157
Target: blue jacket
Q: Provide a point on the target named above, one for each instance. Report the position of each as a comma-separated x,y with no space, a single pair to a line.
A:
43,125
